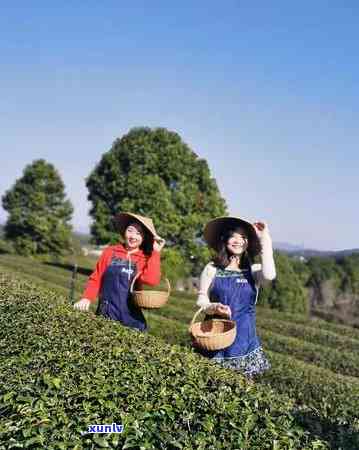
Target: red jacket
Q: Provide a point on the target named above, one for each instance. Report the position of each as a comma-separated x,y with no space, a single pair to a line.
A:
149,266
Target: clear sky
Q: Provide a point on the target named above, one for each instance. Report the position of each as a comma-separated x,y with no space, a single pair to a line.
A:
266,91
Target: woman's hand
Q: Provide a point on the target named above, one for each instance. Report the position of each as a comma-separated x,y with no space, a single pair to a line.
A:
224,310
220,309
261,229
83,304
158,244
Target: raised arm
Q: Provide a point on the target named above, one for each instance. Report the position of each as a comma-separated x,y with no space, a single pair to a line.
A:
151,273
265,271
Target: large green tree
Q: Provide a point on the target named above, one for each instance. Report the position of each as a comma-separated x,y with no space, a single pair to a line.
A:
154,173
39,214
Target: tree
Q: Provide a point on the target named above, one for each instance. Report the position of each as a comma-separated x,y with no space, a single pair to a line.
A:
39,215
350,278
323,269
153,172
174,266
286,292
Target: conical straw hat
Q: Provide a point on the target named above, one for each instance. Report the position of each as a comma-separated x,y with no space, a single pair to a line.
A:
125,218
215,228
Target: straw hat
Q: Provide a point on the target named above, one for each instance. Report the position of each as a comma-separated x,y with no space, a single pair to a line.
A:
125,218
215,228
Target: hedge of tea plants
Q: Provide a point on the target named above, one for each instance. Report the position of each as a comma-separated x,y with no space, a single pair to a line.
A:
63,370
328,400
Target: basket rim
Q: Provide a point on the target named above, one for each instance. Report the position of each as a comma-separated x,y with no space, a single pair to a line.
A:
216,320
150,291
150,300
137,276
215,334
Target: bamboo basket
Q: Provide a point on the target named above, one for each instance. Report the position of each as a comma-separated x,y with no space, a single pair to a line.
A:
212,334
150,299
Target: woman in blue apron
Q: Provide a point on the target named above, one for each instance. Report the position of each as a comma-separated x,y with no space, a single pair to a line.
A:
229,288
138,256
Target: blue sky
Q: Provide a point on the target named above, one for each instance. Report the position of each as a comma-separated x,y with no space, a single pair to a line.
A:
266,92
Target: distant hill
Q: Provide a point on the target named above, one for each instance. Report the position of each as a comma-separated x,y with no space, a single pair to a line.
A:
347,252
295,250
286,247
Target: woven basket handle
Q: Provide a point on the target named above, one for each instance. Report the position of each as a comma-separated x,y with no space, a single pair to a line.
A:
139,273
196,315
134,280
168,286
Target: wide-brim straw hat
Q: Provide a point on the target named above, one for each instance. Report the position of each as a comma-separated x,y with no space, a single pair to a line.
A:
125,218
215,228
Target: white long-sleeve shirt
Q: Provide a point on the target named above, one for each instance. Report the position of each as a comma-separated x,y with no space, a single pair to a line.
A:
261,272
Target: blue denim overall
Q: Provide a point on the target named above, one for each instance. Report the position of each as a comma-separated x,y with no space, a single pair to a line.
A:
237,290
115,299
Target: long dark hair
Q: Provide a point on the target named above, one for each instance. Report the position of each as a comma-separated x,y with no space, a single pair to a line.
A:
254,247
147,243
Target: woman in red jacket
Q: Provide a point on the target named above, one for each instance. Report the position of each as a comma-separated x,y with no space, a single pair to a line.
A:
118,265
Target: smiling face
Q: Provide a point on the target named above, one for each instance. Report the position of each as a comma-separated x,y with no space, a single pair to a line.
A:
133,236
237,243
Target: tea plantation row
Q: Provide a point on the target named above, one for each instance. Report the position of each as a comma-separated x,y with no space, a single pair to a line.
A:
328,403
332,357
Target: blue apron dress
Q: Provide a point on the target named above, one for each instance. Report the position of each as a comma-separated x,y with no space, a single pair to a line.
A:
237,290
115,300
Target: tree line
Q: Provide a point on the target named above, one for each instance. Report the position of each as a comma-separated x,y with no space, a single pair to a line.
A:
150,171
155,173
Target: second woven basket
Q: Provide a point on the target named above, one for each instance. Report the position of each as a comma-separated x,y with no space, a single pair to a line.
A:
150,299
